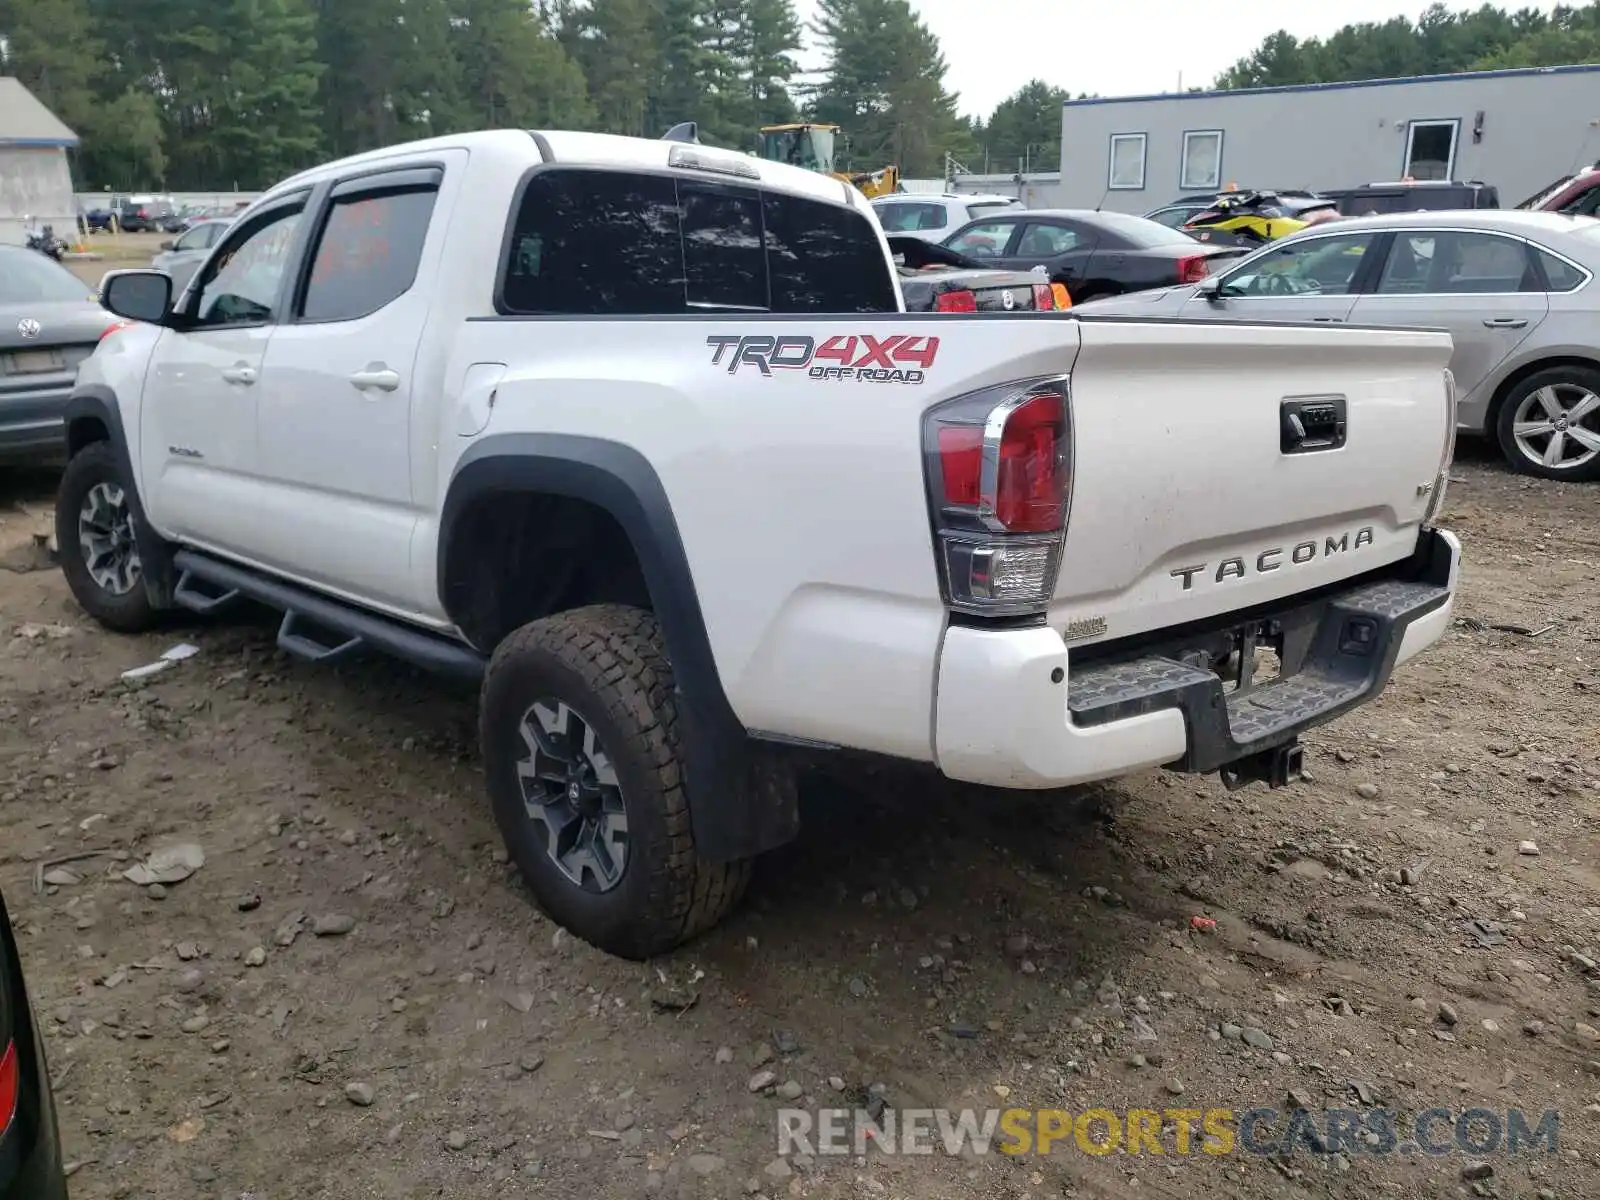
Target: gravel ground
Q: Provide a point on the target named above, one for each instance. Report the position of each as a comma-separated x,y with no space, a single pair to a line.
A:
353,997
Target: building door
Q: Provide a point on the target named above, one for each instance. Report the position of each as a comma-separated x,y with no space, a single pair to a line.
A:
1431,149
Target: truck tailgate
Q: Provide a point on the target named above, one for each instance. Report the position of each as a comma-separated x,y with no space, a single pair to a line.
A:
1189,500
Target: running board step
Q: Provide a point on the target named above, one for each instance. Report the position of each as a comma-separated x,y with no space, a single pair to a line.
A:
198,596
308,614
295,641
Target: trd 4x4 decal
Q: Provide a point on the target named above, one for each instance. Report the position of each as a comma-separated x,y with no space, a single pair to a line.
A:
897,358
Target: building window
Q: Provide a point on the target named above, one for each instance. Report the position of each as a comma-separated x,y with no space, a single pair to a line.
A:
1431,149
1127,162
1202,161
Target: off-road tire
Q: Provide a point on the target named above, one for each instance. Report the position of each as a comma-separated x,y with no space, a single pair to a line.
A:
609,663
132,612
1586,378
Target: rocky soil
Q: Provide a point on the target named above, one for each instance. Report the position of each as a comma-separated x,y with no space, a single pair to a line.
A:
351,995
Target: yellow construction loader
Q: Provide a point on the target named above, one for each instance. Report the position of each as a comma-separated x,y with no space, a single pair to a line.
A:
811,146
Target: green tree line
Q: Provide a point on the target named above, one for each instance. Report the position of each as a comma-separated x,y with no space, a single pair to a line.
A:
215,94
1440,42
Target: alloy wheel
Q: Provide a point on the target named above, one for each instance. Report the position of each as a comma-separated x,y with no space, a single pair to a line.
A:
1558,426
570,788
105,537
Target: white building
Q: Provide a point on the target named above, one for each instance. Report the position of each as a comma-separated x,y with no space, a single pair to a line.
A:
1515,130
35,176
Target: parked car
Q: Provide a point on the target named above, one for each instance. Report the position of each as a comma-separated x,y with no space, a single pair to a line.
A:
49,323
1413,195
1513,288
933,218
618,386
1576,195
1092,253
143,214
31,1166
935,279
180,257
97,219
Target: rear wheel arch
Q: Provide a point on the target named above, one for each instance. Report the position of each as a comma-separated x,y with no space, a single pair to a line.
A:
616,494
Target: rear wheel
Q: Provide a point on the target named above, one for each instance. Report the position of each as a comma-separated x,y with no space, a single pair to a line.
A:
95,540
579,733
1550,424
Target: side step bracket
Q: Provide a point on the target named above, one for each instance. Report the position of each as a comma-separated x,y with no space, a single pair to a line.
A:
208,583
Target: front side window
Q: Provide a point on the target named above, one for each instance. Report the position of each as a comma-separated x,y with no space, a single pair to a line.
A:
1316,266
242,280
988,240
608,243
367,253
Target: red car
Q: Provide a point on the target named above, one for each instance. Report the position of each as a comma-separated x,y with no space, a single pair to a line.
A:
30,1148
1577,195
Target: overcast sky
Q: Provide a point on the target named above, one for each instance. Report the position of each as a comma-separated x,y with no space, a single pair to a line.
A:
1119,47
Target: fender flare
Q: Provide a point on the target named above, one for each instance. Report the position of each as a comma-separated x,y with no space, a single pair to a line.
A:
93,404
735,809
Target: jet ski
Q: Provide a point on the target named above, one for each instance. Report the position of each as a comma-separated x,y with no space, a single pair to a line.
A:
1254,218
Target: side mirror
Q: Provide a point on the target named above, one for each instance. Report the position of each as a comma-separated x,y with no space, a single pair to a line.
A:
1210,290
138,295
167,245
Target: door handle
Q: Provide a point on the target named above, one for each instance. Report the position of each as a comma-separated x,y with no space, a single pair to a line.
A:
1329,320
239,373
375,376
1505,322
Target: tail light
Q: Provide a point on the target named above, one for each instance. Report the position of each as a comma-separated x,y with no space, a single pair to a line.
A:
112,328
9,1086
1063,297
999,471
1043,299
1441,481
956,302
1193,269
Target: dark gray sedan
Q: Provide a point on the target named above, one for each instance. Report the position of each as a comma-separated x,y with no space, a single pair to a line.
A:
50,322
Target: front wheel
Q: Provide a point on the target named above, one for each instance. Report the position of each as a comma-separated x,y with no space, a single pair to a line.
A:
96,544
1550,424
578,728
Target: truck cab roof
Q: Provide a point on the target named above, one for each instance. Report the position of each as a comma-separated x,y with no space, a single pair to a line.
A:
571,148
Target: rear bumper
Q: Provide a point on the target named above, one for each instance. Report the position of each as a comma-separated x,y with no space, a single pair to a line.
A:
32,423
1014,710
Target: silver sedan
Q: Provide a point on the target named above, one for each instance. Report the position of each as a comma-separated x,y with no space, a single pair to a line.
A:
1515,289
50,322
182,257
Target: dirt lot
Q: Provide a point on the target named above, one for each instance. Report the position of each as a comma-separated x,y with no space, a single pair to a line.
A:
208,1042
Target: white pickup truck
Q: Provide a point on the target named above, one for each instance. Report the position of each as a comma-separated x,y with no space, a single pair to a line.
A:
638,433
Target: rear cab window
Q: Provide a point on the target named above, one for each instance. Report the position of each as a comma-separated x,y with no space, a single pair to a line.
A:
593,242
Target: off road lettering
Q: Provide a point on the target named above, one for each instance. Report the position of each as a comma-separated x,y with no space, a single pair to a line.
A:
863,358
1271,559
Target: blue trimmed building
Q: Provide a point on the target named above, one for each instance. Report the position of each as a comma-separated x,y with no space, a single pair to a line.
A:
35,175
1516,130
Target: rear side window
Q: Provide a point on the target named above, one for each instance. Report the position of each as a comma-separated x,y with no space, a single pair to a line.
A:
1561,275
367,253
605,243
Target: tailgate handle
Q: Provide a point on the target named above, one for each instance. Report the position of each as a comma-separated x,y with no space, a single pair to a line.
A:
1307,424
